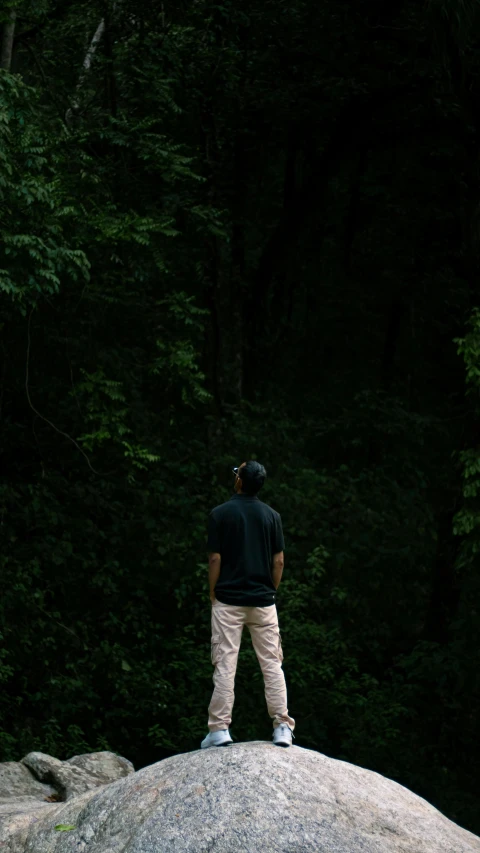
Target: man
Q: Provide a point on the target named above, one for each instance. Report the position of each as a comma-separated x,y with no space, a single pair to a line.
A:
245,546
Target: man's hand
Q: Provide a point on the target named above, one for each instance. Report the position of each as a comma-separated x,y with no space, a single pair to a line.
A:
214,564
277,569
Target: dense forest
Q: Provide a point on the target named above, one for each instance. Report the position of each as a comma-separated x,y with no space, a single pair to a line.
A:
232,231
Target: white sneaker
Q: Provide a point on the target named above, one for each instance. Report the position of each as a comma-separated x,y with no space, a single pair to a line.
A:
282,735
221,738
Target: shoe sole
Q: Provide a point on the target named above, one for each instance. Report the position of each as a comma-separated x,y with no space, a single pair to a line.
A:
282,744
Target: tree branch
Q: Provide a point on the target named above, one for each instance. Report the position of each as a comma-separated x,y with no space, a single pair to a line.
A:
8,34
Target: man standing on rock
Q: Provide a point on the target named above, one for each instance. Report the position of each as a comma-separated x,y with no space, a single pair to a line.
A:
245,555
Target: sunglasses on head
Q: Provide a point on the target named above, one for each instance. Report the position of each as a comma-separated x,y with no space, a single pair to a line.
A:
235,471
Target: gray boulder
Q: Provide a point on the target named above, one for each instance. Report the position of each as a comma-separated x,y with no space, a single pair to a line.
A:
103,766
41,765
80,773
17,781
26,796
246,798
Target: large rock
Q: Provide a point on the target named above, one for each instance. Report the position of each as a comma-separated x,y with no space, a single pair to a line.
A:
247,797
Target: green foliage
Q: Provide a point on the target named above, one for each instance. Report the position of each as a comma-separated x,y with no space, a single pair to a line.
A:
35,253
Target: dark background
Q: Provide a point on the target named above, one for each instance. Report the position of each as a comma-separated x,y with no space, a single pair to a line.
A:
232,231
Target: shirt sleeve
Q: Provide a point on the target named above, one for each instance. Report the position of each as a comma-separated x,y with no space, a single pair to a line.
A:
278,542
213,538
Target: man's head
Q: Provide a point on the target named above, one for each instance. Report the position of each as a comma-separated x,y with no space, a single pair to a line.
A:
250,478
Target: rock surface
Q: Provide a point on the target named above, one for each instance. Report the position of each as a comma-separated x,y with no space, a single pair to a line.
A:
245,798
16,819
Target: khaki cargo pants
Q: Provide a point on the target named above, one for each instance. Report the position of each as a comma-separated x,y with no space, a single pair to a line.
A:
227,626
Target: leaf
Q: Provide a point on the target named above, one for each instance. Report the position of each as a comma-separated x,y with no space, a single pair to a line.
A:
64,827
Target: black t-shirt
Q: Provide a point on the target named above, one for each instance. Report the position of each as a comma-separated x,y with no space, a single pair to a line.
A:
246,533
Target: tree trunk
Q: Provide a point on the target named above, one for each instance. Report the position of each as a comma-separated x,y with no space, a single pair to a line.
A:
8,35
87,62
237,269
283,287
214,340
213,337
111,85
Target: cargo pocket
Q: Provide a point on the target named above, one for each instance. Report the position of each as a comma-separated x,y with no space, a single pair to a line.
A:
216,641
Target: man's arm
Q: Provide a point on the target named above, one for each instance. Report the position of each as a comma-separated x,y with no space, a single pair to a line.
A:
214,565
277,568
214,548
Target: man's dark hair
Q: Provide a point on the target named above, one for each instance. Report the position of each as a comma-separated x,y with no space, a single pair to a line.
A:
252,476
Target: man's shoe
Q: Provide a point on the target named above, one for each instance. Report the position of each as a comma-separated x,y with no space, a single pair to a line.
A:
282,735
221,738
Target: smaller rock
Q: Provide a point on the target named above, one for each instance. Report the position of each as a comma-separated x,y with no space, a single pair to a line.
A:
80,773
104,766
41,765
68,780
16,780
